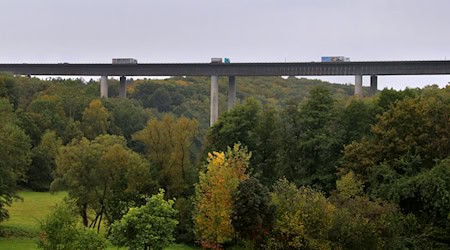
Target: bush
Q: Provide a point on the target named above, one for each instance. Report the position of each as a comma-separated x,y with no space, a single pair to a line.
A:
303,218
60,231
252,214
147,227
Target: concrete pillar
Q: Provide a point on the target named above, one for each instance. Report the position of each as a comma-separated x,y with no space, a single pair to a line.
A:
104,87
231,92
123,87
373,84
358,85
214,100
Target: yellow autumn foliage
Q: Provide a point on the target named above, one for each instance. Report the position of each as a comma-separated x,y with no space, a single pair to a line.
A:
213,200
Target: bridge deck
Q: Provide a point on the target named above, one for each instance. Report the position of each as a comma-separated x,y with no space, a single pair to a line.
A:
235,69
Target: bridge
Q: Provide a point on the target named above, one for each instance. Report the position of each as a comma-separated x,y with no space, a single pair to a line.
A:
231,70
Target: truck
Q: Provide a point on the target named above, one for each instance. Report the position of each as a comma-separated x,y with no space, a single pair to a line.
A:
124,61
335,59
216,60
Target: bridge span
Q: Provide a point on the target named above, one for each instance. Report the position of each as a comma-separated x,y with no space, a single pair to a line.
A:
231,70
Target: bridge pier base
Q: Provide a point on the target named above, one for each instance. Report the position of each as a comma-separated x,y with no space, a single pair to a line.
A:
231,92
373,84
123,87
358,86
104,87
214,100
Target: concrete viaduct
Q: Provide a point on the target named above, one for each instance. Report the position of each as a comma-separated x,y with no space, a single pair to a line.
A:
231,70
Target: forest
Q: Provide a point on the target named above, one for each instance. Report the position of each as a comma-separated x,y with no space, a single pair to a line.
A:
296,164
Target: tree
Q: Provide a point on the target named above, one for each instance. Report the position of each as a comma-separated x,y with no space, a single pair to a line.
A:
150,226
60,231
14,156
303,218
213,200
9,90
356,119
362,223
169,143
160,99
43,165
103,176
47,113
256,127
236,126
127,116
75,96
311,142
403,160
95,120
252,213
407,139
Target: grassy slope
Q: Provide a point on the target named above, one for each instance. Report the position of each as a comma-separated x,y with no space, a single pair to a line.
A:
25,216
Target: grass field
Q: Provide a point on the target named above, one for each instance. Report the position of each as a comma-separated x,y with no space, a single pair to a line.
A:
21,228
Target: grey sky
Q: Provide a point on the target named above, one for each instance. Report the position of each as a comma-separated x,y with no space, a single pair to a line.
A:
243,30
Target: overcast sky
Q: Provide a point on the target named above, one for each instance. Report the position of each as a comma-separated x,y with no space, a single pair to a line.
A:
166,31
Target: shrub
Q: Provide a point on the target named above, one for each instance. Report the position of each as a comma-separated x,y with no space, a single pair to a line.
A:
60,231
147,227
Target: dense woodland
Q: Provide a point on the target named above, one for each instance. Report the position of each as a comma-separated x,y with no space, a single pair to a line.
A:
297,164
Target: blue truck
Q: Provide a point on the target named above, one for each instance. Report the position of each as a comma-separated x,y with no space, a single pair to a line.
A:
335,59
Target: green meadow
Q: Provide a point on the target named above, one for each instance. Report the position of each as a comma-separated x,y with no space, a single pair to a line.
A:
19,232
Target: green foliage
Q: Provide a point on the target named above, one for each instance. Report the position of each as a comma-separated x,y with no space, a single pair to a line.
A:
40,173
407,139
127,116
8,89
14,155
169,143
59,230
256,127
185,228
356,119
252,214
46,112
397,162
388,97
303,218
150,226
95,120
349,187
75,96
360,223
213,200
236,126
102,175
311,142
428,193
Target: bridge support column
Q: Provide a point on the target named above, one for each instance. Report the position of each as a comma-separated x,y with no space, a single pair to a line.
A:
214,99
373,84
104,87
358,85
231,92
123,87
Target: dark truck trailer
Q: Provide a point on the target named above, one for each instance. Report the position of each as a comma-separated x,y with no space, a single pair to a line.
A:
124,61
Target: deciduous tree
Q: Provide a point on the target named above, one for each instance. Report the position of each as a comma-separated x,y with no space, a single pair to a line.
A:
150,226
213,200
95,120
169,143
103,176
14,155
